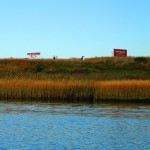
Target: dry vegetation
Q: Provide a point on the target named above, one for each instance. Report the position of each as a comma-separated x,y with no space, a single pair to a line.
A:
75,91
92,80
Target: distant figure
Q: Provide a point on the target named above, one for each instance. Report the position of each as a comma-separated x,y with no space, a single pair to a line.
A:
54,57
82,57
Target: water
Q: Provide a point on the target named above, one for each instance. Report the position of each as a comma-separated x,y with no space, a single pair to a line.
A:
74,127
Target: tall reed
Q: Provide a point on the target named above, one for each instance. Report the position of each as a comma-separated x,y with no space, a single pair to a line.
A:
124,90
75,90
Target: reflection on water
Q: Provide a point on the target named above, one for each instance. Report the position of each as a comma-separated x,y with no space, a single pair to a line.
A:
47,126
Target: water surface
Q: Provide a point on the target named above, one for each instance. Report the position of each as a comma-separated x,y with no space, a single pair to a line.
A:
64,127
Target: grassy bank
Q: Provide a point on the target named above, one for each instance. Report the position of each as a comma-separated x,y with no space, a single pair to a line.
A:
72,80
75,91
96,68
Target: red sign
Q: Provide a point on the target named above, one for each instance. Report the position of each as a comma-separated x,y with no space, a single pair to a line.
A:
120,52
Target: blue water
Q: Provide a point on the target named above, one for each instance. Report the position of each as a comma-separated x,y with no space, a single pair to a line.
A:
74,127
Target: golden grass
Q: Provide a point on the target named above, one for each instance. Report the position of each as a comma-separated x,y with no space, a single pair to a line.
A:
124,89
75,91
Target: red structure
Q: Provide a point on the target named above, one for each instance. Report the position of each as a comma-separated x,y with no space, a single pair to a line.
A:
120,52
34,54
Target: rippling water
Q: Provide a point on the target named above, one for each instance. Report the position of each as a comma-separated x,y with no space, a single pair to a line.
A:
68,127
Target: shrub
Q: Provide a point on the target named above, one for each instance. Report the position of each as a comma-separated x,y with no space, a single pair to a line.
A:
39,68
140,60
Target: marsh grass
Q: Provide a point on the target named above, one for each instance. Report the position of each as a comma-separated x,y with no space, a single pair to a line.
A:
75,91
72,80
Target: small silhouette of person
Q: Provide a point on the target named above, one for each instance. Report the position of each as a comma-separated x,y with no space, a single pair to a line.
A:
82,57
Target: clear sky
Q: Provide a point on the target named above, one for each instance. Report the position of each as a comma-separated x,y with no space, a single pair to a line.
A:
72,28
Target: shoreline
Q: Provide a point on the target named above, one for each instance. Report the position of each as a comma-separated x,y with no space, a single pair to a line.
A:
78,102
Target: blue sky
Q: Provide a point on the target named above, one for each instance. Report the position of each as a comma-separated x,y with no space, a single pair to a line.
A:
72,28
